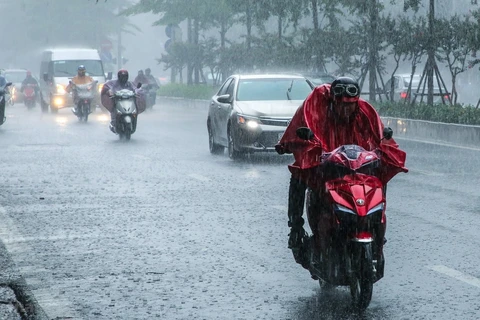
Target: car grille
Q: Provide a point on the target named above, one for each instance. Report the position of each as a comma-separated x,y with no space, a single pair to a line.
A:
281,122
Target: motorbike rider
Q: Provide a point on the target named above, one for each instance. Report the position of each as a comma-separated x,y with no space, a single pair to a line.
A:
29,79
110,87
337,116
3,82
152,83
140,78
80,78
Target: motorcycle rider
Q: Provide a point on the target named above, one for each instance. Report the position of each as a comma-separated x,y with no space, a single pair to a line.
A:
80,78
140,78
152,82
337,116
110,87
3,82
30,80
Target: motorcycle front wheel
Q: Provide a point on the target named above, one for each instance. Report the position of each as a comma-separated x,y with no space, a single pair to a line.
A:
362,276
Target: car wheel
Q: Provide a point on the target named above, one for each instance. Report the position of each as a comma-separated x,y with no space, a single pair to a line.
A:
232,152
214,148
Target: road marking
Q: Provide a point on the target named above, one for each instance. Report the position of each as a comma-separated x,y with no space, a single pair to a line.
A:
443,144
139,156
471,280
199,177
54,306
281,208
428,173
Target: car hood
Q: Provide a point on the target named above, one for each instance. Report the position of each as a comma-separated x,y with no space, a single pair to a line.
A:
283,108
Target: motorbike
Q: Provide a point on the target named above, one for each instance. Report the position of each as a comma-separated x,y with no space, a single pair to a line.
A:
150,95
29,95
125,105
346,204
3,92
83,95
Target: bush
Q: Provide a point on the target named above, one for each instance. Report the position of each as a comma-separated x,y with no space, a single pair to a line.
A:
204,92
468,115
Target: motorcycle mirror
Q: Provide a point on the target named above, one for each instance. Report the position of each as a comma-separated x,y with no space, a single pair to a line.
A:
45,77
304,133
8,84
109,75
139,85
387,133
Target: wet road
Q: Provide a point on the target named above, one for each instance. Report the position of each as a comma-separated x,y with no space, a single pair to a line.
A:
156,227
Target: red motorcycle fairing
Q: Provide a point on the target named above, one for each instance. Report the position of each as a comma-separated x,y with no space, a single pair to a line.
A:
359,193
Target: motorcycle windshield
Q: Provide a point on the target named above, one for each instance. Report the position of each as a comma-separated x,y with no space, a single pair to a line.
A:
85,91
350,159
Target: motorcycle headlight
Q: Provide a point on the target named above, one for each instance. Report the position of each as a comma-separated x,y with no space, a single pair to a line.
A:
376,208
100,87
344,209
61,89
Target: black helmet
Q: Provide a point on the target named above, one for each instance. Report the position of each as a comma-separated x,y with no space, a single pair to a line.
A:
122,76
81,70
346,89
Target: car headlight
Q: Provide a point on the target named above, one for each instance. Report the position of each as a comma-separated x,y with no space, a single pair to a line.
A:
61,89
251,123
58,101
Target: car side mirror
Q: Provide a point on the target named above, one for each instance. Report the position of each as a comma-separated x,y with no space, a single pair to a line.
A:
139,85
304,133
387,133
224,98
109,75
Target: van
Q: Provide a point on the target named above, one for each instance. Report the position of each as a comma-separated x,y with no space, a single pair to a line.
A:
58,67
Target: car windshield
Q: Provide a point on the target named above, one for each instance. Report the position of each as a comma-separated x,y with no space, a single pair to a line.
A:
272,89
318,80
415,81
68,68
15,76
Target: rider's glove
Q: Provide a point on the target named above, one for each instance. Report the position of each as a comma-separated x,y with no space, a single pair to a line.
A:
279,148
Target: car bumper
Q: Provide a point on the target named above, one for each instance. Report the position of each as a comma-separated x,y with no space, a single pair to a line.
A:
260,139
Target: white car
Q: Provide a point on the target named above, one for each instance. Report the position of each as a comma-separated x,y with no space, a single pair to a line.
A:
250,113
400,89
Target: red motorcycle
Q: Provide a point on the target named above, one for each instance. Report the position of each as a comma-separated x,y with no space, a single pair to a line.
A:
346,212
29,95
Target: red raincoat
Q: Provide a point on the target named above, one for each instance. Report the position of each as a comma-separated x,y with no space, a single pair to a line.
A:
366,130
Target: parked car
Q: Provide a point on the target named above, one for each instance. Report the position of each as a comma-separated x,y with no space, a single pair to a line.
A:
400,89
250,113
16,77
319,78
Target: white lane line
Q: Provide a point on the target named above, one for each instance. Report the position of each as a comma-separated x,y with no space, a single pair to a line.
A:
199,177
139,156
281,208
64,236
471,280
54,307
443,144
